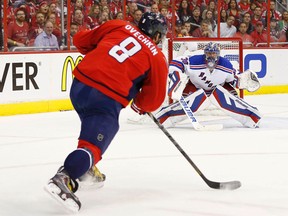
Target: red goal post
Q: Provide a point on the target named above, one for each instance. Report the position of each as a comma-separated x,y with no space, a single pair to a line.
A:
230,48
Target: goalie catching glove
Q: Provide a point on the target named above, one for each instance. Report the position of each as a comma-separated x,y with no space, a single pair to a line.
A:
248,80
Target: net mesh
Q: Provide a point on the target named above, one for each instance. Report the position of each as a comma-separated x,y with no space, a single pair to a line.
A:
228,49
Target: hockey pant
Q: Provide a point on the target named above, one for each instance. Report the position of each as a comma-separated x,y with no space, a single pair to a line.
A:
235,107
169,115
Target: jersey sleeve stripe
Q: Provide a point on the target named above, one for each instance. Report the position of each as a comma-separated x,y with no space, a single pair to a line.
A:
177,64
224,69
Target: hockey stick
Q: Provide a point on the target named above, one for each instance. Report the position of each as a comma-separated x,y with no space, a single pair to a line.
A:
231,185
194,121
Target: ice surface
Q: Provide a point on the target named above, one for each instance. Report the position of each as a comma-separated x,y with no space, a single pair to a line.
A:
146,174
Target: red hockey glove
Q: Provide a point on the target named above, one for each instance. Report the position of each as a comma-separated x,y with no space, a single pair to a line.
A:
137,109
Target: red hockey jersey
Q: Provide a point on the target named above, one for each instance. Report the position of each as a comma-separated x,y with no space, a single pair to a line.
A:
123,63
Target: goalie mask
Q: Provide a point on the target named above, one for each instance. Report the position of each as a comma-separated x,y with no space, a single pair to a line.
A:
153,25
212,53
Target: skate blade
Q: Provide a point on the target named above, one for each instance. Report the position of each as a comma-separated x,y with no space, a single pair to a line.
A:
69,204
83,185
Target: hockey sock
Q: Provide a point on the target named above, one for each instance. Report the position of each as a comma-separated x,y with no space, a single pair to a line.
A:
78,163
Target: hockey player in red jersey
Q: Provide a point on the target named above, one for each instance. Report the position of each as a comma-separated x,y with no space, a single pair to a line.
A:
121,63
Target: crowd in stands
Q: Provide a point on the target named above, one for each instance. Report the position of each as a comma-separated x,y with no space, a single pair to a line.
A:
238,18
38,22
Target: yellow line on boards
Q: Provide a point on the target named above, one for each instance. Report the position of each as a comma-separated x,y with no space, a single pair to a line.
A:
35,107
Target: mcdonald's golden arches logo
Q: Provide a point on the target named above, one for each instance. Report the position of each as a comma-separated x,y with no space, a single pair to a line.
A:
68,61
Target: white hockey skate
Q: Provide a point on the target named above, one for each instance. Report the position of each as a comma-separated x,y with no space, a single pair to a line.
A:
62,188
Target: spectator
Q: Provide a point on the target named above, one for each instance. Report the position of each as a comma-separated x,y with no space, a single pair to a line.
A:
242,33
93,16
132,7
184,32
252,8
223,16
234,11
259,35
137,16
257,16
247,20
164,12
79,19
284,22
187,26
115,7
73,30
204,31
164,3
244,6
44,8
211,7
184,12
262,4
284,37
56,28
224,4
10,12
79,4
227,29
274,29
196,18
104,17
31,9
17,32
178,28
275,14
103,3
53,8
46,38
107,10
119,15
154,8
194,3
37,27
209,17
87,5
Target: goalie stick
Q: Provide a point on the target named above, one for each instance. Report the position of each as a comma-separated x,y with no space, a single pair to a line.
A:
194,121
231,185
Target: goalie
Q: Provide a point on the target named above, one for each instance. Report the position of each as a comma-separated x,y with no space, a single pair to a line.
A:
209,79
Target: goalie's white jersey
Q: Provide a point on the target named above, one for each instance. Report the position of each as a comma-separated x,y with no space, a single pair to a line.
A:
196,69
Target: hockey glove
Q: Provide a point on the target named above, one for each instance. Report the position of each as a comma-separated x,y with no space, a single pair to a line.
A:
136,109
248,80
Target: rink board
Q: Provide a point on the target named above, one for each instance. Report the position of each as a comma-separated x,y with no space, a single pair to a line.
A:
32,83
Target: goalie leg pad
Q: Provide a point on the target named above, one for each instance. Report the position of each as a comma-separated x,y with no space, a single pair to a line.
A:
235,107
168,116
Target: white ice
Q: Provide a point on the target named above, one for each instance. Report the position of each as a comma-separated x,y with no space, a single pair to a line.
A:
146,174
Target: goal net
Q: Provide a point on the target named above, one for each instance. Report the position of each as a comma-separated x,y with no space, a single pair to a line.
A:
230,48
